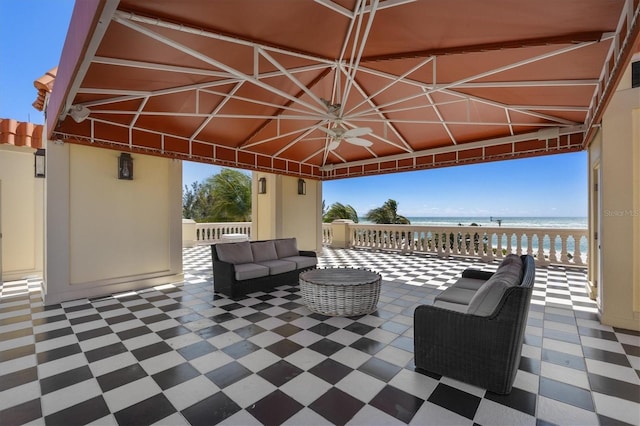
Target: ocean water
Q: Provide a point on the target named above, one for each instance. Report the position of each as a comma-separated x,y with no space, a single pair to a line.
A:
510,222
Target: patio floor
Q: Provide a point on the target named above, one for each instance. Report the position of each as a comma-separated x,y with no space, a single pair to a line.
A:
184,355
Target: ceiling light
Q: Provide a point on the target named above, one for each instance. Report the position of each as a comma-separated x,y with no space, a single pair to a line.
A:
79,113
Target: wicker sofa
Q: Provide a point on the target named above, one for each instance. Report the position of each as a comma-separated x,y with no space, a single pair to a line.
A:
244,267
474,330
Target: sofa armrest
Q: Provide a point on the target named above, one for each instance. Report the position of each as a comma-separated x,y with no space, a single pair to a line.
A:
476,274
308,253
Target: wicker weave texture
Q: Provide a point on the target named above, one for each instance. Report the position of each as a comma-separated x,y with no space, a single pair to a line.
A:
342,299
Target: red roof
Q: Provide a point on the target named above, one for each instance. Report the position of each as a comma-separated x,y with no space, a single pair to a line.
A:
44,85
339,88
20,133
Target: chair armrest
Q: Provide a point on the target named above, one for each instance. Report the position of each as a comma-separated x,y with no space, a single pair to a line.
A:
477,274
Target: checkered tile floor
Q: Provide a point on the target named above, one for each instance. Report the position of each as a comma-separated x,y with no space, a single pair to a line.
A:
184,355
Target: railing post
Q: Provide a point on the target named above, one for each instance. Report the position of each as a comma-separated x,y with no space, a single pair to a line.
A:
340,229
189,237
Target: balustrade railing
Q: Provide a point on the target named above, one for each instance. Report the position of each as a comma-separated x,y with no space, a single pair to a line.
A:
209,233
547,245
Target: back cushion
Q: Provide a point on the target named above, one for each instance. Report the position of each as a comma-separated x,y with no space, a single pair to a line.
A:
235,253
510,269
486,299
286,247
264,250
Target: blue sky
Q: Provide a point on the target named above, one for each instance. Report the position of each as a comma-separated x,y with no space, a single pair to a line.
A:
32,34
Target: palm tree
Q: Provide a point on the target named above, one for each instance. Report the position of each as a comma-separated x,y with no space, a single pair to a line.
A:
387,214
340,211
231,191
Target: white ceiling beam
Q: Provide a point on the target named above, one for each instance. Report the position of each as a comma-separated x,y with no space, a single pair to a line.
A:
354,63
445,125
264,103
336,8
290,76
128,16
494,71
157,67
393,82
215,111
405,146
194,53
447,149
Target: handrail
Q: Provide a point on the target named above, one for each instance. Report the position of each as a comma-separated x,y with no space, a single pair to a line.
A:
211,233
566,246
563,246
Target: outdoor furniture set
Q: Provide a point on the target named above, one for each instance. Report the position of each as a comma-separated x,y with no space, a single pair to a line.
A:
473,332
244,267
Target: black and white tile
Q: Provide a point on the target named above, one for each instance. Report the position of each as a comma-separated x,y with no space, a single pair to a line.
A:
187,355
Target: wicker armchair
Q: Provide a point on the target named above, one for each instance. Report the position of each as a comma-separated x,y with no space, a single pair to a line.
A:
480,350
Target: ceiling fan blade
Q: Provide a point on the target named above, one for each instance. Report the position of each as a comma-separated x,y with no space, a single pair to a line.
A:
333,145
359,131
359,141
330,132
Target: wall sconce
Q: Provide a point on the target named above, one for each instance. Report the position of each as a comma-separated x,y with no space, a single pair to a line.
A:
262,185
39,163
302,187
125,167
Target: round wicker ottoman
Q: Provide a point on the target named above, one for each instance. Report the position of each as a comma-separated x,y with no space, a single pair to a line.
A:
340,291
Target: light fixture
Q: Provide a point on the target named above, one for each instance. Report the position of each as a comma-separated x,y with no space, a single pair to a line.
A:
125,166
302,187
262,185
79,113
39,162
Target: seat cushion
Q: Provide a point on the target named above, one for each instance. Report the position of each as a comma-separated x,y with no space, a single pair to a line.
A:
235,253
450,306
302,261
263,250
278,266
456,295
286,247
247,271
469,283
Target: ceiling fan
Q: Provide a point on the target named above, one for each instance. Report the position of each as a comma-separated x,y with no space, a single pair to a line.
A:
338,134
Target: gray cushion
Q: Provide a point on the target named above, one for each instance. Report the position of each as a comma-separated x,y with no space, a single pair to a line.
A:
278,266
456,295
235,252
263,250
247,271
469,283
511,266
286,247
450,306
302,261
486,299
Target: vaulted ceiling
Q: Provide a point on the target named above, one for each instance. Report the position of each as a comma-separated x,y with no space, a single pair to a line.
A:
338,88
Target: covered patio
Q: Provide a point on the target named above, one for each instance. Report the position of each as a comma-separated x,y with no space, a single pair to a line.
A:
126,327
363,88
182,354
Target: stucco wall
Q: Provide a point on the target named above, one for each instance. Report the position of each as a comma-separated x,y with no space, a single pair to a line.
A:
282,212
617,155
107,235
21,214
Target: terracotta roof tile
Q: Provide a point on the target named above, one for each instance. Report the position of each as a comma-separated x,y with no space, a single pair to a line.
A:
44,85
20,133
